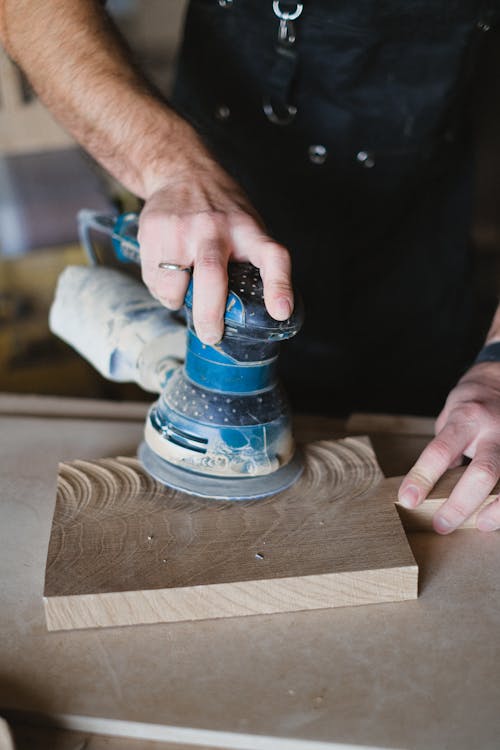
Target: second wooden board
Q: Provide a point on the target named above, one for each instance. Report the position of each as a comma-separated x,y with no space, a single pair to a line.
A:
125,550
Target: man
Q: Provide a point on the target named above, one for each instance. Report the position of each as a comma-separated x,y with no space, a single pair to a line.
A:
333,131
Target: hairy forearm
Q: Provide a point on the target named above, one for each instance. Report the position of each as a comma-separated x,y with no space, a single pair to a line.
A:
81,70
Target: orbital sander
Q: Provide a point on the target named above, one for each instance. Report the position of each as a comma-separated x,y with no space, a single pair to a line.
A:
221,427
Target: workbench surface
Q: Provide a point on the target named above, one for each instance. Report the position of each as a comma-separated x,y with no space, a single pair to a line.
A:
417,674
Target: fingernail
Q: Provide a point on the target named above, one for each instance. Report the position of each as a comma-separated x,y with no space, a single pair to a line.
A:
442,524
409,498
486,524
283,308
209,338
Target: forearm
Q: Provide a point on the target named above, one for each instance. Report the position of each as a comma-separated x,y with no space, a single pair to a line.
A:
81,70
195,214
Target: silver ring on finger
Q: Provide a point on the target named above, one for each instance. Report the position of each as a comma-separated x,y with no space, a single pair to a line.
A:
174,267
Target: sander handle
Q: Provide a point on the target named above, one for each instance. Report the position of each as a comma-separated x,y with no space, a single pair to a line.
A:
121,229
246,317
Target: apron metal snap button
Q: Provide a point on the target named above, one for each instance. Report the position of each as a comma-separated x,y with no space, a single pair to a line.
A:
365,158
281,116
225,3
483,26
223,112
317,154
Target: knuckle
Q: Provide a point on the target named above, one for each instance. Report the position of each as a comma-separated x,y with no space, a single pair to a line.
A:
151,223
150,216
279,286
440,450
493,511
471,411
420,477
208,318
279,254
244,222
458,510
210,261
156,225
454,429
485,471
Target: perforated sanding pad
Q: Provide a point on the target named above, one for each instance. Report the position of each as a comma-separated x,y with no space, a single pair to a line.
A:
201,485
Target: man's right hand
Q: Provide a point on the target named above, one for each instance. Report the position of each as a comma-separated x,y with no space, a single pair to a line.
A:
202,219
195,215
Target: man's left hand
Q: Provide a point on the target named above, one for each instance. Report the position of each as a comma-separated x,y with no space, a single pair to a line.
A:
469,425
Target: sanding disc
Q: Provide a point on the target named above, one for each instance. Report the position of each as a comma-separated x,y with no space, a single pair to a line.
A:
217,488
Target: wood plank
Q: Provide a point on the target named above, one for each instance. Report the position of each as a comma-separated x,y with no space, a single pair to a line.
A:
398,439
124,549
54,407
420,519
395,424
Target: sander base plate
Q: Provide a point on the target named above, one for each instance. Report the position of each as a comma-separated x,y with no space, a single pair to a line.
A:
219,488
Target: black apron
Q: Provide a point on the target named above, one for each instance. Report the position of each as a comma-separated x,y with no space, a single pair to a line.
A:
348,129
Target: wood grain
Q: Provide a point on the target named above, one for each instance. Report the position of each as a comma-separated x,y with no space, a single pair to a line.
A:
125,549
393,424
53,407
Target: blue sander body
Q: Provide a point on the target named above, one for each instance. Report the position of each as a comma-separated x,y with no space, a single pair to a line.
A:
221,428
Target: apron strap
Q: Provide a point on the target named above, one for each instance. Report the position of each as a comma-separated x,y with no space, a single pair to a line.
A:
277,103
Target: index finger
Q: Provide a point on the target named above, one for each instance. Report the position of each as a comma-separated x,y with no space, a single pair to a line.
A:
436,458
473,488
210,287
273,261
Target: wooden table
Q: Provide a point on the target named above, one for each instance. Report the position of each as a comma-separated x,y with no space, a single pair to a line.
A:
419,674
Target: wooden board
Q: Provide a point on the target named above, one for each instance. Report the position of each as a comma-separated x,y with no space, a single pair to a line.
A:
124,549
420,519
393,424
54,407
395,438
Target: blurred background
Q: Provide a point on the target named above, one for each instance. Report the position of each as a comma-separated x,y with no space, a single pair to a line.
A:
45,179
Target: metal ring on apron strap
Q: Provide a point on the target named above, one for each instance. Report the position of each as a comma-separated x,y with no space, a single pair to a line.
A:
285,15
276,105
286,31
